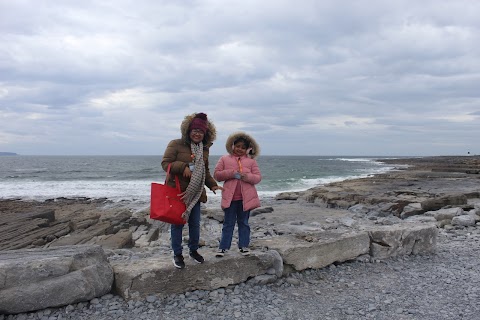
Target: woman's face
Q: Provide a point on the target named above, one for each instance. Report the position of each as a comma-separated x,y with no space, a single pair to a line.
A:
239,149
196,135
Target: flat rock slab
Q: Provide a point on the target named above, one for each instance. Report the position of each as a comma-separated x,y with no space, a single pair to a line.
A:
316,252
34,279
24,228
121,239
47,214
82,236
157,276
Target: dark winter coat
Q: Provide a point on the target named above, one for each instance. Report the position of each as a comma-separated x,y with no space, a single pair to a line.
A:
179,155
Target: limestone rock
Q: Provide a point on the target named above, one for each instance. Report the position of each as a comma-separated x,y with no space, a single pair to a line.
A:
287,196
82,236
474,214
32,227
263,279
348,222
260,210
157,276
298,227
215,214
121,239
464,220
33,279
402,239
445,214
318,253
438,203
421,218
411,209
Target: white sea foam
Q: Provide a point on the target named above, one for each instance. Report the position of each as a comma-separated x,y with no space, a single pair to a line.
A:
354,159
42,190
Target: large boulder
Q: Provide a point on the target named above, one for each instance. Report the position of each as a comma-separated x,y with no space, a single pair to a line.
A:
34,279
157,276
464,221
402,239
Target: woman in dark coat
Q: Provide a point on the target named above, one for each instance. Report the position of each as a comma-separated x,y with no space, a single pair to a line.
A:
188,158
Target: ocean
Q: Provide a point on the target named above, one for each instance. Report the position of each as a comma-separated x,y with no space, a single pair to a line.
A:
128,178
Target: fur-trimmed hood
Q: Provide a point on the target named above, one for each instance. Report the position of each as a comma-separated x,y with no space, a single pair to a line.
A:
209,137
255,152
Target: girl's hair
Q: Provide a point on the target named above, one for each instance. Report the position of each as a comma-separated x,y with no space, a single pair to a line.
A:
245,142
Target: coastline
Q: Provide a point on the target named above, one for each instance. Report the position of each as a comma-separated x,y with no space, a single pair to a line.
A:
414,180
128,178
433,168
397,200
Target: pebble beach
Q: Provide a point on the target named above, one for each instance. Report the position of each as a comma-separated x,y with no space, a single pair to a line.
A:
444,285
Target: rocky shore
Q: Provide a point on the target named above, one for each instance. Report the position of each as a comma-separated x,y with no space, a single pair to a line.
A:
400,273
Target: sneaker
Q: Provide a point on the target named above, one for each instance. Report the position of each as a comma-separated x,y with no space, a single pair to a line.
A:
178,261
245,251
220,253
197,257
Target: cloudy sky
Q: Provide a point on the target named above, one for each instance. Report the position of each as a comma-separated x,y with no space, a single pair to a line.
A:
316,77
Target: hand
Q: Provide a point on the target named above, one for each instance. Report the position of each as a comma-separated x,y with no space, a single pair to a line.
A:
187,173
216,188
182,195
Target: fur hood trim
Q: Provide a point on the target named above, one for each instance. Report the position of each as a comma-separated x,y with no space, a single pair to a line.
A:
209,137
255,152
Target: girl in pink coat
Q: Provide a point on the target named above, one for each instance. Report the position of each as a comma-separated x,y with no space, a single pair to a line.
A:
240,173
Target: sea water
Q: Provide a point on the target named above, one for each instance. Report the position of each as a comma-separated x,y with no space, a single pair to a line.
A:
128,178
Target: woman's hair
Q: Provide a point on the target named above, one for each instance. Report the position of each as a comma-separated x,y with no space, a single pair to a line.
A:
245,142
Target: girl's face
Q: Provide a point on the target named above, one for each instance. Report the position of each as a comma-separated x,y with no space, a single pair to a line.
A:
239,149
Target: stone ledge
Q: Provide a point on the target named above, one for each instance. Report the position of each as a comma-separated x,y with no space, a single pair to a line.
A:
33,279
299,254
157,276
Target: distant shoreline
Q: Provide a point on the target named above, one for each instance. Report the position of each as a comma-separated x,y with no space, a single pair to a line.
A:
8,154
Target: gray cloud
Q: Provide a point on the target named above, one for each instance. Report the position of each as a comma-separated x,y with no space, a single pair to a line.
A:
329,77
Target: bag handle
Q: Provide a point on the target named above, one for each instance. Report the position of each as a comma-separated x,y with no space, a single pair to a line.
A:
177,183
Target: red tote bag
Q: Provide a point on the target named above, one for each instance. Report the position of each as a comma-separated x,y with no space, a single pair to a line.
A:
165,204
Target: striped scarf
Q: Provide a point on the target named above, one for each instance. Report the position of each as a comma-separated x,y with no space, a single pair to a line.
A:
197,180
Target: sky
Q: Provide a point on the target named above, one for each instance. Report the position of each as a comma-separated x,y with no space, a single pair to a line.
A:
364,77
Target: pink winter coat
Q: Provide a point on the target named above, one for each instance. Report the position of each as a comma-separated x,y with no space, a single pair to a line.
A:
225,169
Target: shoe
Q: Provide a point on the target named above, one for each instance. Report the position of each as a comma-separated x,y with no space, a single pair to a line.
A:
197,257
245,251
178,261
220,253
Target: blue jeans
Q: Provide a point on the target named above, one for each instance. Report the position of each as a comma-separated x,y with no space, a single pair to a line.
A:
193,232
235,213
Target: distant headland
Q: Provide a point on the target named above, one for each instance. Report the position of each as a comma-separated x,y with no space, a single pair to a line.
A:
8,154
